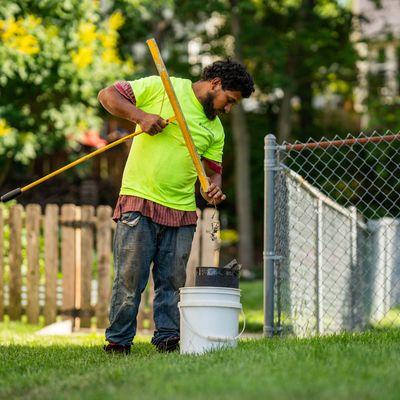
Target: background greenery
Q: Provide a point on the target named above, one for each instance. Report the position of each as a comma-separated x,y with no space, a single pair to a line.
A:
55,57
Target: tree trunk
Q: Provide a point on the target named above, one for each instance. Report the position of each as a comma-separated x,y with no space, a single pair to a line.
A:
307,112
242,164
305,80
284,118
242,184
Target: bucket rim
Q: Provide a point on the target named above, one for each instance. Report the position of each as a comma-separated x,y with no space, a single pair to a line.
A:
215,289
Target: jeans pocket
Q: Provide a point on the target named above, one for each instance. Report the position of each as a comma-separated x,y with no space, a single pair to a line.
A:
131,218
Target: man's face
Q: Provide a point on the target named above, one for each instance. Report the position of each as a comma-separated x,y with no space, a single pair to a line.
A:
219,101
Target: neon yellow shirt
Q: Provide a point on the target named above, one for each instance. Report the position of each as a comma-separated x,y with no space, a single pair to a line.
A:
159,168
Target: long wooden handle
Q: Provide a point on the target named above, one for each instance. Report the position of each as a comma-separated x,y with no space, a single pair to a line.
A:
16,192
155,52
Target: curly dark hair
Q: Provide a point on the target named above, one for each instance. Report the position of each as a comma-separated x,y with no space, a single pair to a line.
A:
233,75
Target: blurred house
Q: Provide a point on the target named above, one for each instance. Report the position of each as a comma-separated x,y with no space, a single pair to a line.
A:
377,35
92,138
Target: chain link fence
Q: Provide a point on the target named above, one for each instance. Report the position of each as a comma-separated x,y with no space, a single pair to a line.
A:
335,244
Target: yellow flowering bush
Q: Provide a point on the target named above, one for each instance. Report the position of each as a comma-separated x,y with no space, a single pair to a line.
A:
16,35
103,41
116,21
87,32
52,64
83,57
4,128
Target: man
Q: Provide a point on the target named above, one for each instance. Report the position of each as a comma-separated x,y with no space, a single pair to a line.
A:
156,210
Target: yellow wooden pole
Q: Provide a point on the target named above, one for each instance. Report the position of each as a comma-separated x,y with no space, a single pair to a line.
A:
155,52
16,192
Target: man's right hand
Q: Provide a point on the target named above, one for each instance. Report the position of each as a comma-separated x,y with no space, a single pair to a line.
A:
152,123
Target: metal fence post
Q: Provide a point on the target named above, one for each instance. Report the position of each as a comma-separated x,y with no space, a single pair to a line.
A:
319,273
270,166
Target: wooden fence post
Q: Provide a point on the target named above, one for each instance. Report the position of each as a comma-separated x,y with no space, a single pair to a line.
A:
51,262
1,264
78,266
33,212
194,258
104,258
15,260
87,244
68,257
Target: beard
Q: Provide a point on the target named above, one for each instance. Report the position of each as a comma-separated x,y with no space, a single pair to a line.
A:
208,106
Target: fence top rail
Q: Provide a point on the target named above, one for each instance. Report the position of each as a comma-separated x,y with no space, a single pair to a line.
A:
341,142
313,191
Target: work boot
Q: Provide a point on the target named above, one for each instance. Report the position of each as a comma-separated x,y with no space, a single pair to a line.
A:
115,348
168,345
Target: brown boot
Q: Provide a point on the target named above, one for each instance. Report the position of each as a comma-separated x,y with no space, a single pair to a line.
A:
168,345
115,348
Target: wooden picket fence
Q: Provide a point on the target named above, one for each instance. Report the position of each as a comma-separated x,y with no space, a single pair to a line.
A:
60,263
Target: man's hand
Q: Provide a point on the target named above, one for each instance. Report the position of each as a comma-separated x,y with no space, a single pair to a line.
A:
214,194
151,123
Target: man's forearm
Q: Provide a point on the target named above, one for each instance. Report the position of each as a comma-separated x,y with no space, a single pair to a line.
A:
117,105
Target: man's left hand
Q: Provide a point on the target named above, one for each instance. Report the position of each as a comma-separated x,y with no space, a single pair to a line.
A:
214,194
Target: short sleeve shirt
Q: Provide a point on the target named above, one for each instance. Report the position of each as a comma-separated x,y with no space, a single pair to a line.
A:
159,168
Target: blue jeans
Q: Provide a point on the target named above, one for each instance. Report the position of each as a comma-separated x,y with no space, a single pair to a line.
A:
138,242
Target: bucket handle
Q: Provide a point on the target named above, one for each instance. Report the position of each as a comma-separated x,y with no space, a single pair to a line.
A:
217,338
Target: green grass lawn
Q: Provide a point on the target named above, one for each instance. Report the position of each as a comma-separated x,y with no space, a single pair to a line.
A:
362,366
252,302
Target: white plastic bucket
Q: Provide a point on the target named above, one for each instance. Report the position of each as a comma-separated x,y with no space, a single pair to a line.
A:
209,318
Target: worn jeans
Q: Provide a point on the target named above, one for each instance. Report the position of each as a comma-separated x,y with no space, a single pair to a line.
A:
138,243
